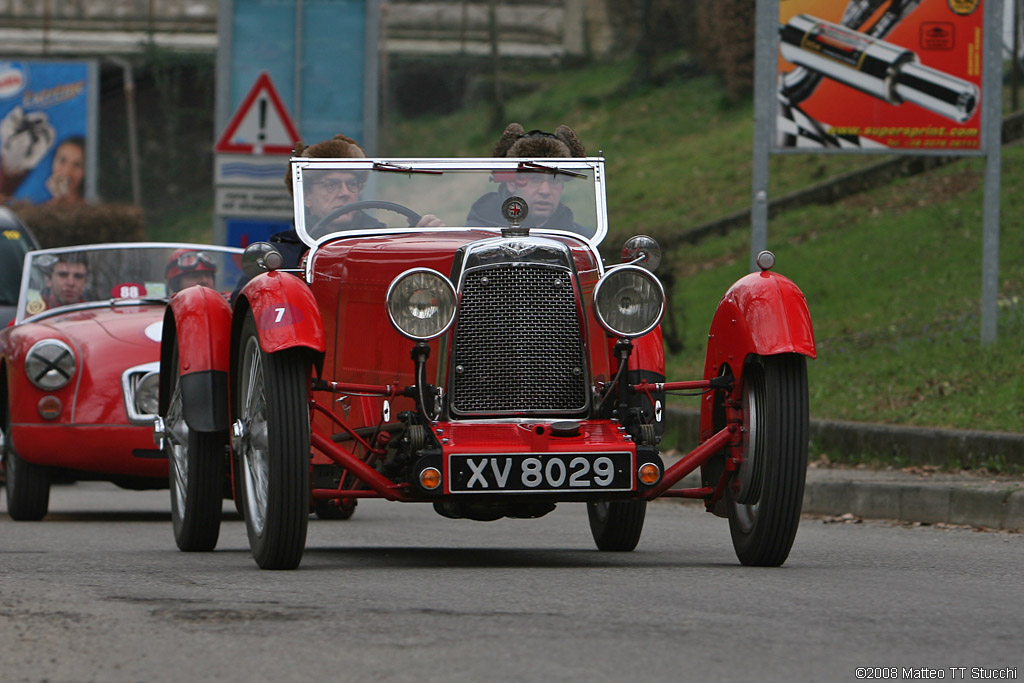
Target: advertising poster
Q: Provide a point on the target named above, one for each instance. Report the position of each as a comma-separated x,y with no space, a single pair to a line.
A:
880,74
44,111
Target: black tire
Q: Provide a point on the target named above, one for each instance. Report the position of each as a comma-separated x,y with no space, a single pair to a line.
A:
325,509
196,474
765,498
27,484
616,526
274,449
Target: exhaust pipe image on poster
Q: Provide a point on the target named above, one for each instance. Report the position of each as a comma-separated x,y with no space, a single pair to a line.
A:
889,72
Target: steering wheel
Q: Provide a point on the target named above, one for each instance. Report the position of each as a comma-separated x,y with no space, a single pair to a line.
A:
413,217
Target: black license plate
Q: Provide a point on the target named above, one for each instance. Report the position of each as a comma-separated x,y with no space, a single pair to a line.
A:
540,472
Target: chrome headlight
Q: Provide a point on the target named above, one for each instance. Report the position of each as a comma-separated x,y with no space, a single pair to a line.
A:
629,301
421,303
147,394
140,386
50,364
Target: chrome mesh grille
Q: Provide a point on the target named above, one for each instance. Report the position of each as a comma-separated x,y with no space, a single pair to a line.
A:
517,344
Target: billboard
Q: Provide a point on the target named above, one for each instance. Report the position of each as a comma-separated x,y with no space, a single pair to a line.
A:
880,74
47,111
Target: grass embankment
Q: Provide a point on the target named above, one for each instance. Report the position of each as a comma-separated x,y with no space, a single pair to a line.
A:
892,277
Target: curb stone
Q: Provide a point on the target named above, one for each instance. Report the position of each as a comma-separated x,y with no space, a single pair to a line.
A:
965,498
915,445
927,499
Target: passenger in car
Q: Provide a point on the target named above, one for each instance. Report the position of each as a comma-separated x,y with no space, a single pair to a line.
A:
541,190
188,267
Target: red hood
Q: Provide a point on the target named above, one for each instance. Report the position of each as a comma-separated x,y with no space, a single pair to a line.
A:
380,259
127,324
107,341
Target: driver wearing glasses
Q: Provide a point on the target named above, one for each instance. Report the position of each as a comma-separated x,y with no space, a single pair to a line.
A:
327,192
330,190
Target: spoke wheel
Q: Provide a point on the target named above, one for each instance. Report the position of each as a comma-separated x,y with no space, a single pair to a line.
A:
196,471
273,450
27,484
765,498
617,525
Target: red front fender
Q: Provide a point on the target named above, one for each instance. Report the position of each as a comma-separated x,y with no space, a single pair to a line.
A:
762,313
198,321
201,319
285,311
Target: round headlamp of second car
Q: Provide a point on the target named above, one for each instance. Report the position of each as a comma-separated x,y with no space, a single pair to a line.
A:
50,364
629,301
421,303
147,394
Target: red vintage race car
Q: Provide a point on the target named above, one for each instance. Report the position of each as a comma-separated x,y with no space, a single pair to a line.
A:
493,368
79,363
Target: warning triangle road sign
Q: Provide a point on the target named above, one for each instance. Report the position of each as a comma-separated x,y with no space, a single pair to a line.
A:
261,125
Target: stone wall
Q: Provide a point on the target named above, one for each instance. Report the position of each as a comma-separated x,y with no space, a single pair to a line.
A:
526,28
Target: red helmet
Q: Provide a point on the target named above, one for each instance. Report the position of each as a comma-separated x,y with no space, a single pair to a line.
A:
188,261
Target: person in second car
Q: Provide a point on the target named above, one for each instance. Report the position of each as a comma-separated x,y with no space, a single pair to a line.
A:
65,282
541,190
189,267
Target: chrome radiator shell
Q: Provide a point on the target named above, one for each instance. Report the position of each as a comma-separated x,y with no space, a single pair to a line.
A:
519,345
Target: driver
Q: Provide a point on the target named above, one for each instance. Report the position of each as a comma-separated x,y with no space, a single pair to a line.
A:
542,191
65,281
331,190
188,267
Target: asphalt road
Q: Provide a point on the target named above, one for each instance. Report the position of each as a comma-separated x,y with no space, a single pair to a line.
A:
98,592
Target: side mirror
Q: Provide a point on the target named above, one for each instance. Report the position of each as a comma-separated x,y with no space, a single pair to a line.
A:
260,257
642,251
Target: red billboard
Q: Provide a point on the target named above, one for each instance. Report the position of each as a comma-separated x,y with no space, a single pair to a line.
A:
880,74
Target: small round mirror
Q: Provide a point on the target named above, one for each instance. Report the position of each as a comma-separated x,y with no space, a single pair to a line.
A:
261,257
642,251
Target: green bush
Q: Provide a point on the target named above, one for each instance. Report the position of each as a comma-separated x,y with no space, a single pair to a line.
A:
60,225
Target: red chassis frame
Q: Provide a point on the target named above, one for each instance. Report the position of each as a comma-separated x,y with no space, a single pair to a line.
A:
763,313
382,487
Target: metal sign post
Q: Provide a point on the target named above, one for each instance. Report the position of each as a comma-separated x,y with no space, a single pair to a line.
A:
320,61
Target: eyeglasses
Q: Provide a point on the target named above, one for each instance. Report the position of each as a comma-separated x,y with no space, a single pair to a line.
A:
333,185
190,260
535,180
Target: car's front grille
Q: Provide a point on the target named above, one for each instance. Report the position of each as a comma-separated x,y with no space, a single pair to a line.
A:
517,345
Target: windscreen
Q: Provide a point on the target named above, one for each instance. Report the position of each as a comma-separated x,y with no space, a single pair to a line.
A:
364,196
57,278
